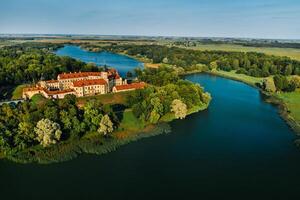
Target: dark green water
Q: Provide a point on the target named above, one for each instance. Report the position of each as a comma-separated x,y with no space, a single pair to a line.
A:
238,149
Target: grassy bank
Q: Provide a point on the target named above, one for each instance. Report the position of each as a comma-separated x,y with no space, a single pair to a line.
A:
250,80
131,129
110,98
290,108
17,93
289,52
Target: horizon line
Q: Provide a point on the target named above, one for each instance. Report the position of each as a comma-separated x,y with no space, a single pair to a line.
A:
155,36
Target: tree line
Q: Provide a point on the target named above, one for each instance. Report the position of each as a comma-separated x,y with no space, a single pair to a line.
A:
31,62
47,122
249,63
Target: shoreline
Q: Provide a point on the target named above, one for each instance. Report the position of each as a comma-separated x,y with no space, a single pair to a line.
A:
70,150
269,98
67,151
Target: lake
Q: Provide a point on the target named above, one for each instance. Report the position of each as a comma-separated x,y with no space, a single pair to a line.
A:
121,62
238,148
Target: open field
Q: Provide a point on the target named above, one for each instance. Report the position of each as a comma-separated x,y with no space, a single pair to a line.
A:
289,52
10,42
292,101
239,77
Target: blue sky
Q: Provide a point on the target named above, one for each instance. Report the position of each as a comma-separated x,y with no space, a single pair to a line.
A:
202,18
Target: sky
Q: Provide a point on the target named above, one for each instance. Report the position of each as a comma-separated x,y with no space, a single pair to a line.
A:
277,19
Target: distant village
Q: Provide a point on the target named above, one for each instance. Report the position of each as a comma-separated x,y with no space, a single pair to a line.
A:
82,84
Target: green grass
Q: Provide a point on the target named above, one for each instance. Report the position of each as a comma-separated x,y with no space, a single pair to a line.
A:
292,101
130,122
111,98
289,52
17,93
239,77
38,100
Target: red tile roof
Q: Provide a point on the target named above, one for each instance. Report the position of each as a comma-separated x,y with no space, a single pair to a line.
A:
49,92
28,89
54,92
130,86
78,75
52,81
82,83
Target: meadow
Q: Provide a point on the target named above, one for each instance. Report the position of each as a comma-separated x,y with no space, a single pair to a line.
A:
289,52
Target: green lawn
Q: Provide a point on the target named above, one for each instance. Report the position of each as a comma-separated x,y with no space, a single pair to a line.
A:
130,122
111,98
292,100
17,93
240,77
290,52
38,100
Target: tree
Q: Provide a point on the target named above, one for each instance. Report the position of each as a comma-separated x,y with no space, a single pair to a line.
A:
106,125
165,60
92,115
48,132
179,108
235,64
154,117
288,70
296,80
281,82
129,74
205,97
213,65
268,85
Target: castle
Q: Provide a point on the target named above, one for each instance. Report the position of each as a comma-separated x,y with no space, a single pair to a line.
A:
81,84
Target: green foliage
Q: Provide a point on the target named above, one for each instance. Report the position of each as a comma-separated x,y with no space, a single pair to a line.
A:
159,77
153,102
48,132
20,122
106,125
269,85
31,62
283,84
179,109
249,63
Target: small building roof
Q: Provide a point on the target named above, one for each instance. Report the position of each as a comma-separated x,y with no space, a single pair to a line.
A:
78,75
52,81
139,85
82,83
54,92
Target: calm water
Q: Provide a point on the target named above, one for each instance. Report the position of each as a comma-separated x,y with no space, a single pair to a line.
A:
239,148
122,63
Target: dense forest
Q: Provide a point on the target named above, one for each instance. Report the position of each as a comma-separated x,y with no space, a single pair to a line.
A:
250,63
166,87
31,62
46,122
